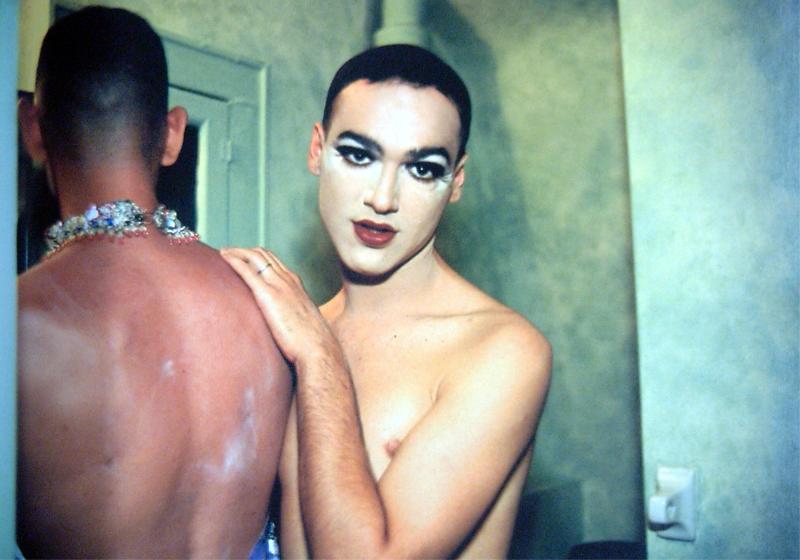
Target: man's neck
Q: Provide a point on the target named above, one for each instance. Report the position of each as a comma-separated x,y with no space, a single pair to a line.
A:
406,291
78,187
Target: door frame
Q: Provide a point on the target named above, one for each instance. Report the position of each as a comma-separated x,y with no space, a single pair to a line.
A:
242,86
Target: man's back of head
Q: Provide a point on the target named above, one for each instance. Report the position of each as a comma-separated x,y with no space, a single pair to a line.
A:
101,78
152,398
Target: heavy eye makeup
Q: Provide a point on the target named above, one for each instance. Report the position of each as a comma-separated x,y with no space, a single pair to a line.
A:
424,165
427,171
355,155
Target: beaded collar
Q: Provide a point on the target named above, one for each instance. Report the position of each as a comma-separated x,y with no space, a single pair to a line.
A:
117,219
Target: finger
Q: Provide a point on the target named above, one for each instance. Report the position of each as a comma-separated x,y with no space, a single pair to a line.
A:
233,253
246,272
239,263
259,266
245,255
277,264
249,256
265,256
277,267
273,260
259,289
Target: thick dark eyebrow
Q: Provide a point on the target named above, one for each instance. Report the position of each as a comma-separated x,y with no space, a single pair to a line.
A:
412,155
422,153
368,143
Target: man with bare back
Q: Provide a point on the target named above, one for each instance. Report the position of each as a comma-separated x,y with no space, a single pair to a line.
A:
417,394
152,399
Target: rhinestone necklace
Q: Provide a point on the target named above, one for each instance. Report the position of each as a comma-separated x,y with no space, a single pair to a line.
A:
114,220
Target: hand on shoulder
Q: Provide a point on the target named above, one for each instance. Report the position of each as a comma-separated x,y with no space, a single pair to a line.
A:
294,319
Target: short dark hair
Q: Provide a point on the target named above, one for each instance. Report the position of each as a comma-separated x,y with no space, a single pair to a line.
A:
101,70
409,64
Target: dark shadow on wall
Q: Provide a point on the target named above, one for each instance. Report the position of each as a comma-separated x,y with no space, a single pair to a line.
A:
487,239
485,235
324,279
637,452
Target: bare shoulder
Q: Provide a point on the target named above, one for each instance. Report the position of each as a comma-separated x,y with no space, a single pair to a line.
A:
153,298
518,341
55,337
47,311
35,286
500,349
194,277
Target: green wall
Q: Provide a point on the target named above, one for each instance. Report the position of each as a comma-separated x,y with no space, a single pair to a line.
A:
712,114
544,225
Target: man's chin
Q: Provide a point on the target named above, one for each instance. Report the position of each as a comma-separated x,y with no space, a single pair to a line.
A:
365,276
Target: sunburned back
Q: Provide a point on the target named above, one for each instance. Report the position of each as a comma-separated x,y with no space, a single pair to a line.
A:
152,404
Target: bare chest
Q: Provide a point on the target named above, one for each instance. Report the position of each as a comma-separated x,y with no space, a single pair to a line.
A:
396,378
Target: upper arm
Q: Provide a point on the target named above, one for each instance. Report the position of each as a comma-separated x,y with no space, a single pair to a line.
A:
455,461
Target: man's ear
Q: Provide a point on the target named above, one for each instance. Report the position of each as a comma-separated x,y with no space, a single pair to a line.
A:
28,115
176,126
314,158
458,179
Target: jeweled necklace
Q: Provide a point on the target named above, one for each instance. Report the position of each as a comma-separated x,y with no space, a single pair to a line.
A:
117,219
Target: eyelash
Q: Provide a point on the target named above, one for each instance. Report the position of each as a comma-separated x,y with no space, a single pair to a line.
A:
424,171
355,156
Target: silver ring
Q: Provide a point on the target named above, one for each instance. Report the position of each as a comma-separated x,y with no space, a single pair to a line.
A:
263,268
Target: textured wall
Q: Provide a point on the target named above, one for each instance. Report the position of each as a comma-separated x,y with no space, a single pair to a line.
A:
544,226
712,110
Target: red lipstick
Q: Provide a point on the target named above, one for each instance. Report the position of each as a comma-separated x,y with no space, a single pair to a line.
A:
374,234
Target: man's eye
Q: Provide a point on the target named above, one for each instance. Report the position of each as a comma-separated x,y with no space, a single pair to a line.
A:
354,155
426,170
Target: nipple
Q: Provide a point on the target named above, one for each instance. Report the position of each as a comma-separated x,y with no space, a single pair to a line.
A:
392,446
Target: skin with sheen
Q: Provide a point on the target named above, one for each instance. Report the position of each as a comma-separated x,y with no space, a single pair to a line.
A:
152,398
417,394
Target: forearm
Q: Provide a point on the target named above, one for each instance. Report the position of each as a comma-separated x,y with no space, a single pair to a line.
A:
342,510
340,505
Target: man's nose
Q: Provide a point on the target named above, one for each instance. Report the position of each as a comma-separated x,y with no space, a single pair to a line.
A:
383,196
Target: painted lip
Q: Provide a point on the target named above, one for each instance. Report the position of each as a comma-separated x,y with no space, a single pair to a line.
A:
374,234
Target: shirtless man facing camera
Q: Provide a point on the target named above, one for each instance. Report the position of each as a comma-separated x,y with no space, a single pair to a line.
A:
418,395
152,399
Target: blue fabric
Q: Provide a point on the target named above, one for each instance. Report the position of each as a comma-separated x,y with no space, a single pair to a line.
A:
266,547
